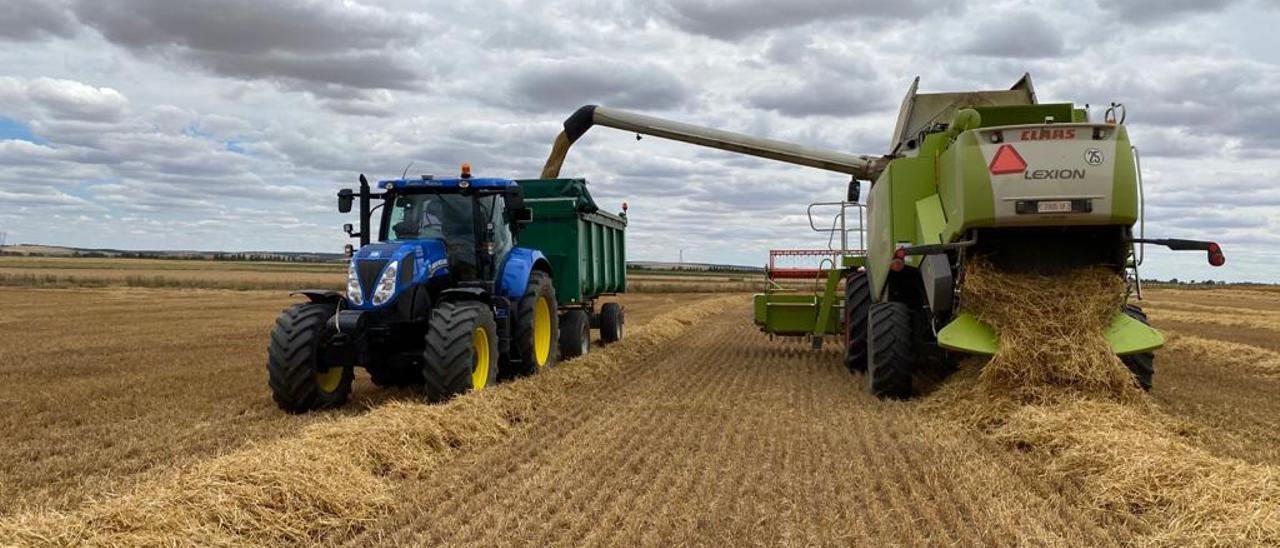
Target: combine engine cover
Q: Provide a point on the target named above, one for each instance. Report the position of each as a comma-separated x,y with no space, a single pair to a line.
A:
1055,175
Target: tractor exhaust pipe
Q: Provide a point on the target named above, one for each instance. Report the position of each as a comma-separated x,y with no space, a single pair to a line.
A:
859,166
364,211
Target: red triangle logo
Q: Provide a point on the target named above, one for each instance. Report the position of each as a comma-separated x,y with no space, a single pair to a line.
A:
1007,160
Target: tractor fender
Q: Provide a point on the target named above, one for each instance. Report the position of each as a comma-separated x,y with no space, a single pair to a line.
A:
521,262
321,296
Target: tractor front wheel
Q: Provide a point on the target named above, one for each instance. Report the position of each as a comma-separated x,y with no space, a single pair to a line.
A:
299,378
1143,366
889,345
537,328
857,305
461,352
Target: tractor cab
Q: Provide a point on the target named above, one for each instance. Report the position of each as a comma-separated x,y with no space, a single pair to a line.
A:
435,232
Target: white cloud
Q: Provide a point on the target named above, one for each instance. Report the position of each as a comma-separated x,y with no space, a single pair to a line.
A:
229,125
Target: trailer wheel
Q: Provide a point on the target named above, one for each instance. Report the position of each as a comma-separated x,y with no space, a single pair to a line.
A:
857,305
461,352
889,345
575,334
395,377
1143,366
536,328
611,323
295,356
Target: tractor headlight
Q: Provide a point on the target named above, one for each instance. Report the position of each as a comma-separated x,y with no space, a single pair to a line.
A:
386,284
354,294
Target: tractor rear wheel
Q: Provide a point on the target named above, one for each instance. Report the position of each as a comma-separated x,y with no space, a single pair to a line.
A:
889,345
1143,365
461,352
575,334
295,357
857,305
611,322
537,328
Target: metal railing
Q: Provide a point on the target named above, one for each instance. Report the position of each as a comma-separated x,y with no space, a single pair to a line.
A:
840,225
832,257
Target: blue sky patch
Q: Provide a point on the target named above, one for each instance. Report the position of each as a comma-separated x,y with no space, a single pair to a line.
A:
13,129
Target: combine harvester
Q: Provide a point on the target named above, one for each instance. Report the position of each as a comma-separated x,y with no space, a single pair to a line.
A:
470,280
1028,186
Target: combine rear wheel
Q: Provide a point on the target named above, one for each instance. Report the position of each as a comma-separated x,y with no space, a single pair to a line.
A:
857,305
297,374
537,328
1143,366
461,351
575,334
889,345
611,322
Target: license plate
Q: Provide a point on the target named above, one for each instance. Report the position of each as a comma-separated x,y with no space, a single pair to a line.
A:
1063,206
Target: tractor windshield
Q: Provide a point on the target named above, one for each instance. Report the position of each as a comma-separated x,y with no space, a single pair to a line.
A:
452,218
432,216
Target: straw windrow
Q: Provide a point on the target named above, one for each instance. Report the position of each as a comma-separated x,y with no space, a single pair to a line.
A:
1056,392
329,482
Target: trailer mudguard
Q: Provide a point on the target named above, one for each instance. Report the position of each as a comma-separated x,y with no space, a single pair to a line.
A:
521,262
970,335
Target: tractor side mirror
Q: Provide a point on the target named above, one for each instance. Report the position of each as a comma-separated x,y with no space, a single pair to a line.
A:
855,189
348,250
348,229
524,215
344,201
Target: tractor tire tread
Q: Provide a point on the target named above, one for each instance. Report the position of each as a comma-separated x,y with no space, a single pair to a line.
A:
291,356
448,352
522,345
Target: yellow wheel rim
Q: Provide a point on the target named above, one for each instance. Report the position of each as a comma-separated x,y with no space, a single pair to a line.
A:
480,345
329,380
541,331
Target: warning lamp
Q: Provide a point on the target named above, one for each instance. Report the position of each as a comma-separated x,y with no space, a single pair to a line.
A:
466,171
1216,258
624,207
1007,160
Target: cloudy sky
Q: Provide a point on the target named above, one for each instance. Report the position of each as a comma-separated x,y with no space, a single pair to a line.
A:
230,124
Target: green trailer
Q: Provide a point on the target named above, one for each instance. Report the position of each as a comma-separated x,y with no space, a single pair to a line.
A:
585,246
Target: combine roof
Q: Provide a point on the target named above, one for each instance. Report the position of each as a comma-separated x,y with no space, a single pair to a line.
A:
921,111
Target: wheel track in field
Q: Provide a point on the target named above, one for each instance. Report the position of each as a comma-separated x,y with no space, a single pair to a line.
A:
727,437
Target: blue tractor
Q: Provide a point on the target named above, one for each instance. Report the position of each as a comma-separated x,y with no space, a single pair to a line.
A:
445,299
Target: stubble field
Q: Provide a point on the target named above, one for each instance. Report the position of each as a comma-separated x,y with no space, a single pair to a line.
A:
140,415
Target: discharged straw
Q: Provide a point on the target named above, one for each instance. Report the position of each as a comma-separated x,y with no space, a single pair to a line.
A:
1056,392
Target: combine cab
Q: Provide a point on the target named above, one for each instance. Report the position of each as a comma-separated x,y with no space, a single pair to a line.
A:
1028,186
